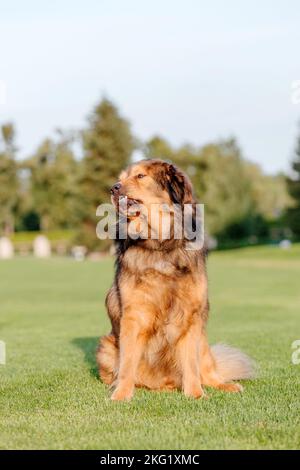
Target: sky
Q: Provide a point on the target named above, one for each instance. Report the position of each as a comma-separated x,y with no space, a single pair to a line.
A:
192,71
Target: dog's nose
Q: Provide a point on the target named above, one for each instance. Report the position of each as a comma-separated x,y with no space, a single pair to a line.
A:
115,188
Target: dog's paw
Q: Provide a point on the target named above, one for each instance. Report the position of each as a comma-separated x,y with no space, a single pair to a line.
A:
194,391
231,387
122,394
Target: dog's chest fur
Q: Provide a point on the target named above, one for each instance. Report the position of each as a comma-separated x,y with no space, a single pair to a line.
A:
168,289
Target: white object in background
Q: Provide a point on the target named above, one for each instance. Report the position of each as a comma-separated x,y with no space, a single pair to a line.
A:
79,252
41,247
2,353
285,244
6,248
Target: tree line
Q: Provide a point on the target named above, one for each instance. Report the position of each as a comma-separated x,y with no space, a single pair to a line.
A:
69,175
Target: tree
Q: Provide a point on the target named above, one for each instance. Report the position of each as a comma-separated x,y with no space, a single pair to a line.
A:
8,180
158,147
227,191
293,213
218,175
187,157
108,145
53,183
269,192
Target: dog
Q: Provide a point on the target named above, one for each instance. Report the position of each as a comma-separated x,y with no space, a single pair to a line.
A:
158,304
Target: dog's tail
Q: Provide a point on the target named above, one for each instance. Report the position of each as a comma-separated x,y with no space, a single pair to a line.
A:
232,364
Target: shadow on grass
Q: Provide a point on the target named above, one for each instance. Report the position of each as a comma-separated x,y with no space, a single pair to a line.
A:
89,345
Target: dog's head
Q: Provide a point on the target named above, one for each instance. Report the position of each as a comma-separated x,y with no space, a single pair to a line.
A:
152,182
151,195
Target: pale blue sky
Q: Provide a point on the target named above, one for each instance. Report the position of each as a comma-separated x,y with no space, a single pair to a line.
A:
189,70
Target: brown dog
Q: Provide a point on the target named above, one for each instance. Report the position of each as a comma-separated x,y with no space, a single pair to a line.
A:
158,304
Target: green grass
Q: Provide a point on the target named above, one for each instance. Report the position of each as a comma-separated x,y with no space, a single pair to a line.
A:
52,312
52,235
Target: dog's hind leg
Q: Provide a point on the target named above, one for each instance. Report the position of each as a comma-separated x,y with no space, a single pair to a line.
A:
107,358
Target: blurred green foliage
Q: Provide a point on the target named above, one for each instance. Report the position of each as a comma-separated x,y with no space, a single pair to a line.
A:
59,187
242,204
293,213
107,148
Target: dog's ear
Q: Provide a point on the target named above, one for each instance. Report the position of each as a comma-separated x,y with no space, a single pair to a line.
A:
178,185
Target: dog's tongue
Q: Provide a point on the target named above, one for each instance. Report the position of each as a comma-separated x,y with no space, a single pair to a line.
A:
131,202
124,200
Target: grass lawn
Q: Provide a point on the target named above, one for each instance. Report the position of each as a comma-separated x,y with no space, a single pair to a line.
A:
52,313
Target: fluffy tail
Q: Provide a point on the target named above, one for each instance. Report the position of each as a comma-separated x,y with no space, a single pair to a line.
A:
231,363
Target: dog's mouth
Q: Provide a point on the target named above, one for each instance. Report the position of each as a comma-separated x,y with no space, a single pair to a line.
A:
127,206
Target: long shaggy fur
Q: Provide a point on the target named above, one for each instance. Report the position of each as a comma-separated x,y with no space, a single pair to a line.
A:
231,363
158,303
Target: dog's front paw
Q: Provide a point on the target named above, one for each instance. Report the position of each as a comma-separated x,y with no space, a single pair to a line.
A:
194,391
122,393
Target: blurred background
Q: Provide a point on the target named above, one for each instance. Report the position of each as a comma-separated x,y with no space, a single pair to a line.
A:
88,87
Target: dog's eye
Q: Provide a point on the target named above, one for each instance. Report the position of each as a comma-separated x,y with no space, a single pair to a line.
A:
140,175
